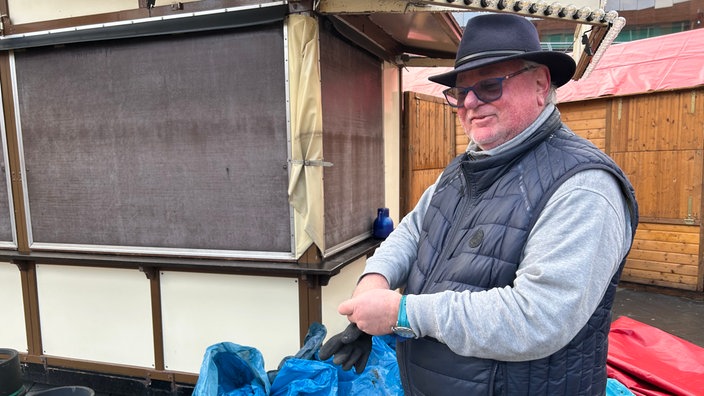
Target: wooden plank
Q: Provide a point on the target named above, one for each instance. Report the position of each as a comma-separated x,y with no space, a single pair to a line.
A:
461,138
668,236
430,137
591,134
573,116
664,255
667,120
658,121
696,111
594,123
668,228
459,149
673,280
664,258
663,268
596,136
404,154
628,277
586,119
664,181
682,248
641,122
420,181
622,127
692,113
583,110
428,144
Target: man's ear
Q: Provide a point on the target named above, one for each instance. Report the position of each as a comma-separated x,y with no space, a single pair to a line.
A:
542,85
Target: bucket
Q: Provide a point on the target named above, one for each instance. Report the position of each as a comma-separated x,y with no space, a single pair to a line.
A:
10,373
66,391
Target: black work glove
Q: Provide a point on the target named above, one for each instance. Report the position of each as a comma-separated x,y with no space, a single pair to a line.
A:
352,347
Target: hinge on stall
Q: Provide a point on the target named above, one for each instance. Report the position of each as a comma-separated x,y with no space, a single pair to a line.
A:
312,163
689,220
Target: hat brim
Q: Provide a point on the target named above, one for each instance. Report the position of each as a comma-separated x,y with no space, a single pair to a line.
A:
562,66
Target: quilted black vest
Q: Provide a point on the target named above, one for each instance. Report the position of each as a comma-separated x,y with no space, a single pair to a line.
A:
498,199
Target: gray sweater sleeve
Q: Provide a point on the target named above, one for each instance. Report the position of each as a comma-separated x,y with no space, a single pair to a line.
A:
570,257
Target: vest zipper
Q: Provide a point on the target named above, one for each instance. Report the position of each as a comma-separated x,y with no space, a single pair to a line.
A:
466,199
492,378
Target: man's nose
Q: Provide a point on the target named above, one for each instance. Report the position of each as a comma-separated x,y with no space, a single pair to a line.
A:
470,100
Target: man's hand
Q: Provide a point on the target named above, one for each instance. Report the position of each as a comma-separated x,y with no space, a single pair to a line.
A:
351,348
374,311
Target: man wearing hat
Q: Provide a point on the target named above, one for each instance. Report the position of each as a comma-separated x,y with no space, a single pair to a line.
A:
508,265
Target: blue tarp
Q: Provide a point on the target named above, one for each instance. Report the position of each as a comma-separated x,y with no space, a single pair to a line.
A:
230,369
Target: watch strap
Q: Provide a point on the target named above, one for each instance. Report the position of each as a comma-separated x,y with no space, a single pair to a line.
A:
402,320
403,328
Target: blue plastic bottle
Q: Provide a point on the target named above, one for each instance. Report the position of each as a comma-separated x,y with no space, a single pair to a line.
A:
383,225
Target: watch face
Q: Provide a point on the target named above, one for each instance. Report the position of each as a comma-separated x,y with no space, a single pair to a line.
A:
405,332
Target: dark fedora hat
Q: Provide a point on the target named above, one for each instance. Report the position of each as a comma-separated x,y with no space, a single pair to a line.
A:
493,38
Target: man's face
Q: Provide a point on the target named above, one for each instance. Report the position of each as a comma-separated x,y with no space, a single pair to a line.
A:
492,124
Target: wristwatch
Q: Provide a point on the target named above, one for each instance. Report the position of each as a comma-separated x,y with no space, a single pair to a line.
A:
402,327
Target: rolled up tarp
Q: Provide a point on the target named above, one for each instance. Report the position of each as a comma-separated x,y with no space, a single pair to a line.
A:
650,361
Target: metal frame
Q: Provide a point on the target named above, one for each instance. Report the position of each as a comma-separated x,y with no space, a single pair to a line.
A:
537,9
6,162
287,94
178,23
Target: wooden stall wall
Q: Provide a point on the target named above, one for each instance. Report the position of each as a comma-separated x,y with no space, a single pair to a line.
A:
587,119
657,140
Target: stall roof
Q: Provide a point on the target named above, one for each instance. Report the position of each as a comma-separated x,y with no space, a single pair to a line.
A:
398,37
662,63
424,33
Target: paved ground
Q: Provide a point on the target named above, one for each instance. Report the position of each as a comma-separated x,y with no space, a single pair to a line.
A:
679,314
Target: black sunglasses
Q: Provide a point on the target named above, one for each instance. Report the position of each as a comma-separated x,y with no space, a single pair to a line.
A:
487,90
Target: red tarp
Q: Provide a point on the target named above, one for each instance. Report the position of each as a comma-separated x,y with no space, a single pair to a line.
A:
415,79
662,63
651,362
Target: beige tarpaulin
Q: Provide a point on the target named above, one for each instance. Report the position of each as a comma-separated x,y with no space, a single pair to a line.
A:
305,188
